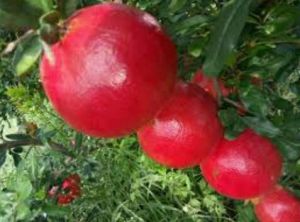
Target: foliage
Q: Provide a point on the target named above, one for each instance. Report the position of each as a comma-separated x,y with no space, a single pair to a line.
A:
259,57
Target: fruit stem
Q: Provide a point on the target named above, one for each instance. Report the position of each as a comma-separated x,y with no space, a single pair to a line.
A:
236,104
218,90
12,45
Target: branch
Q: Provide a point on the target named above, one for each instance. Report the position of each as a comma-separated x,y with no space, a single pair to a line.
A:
218,90
13,144
12,45
35,142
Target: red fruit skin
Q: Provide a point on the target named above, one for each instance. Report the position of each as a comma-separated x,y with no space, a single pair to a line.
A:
243,168
112,71
278,206
207,83
74,178
72,184
64,199
185,130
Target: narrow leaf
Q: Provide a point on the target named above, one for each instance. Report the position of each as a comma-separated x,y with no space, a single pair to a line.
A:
17,136
255,100
26,55
67,7
56,211
2,156
78,140
225,35
17,159
22,211
290,150
262,126
196,20
22,186
176,5
22,14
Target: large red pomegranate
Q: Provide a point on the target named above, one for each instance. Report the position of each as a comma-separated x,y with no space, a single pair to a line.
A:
185,130
112,70
243,168
278,206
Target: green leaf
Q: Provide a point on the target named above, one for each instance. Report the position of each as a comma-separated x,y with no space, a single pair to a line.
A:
17,136
176,5
225,35
23,211
2,156
282,104
18,149
262,126
232,122
27,54
196,20
295,88
46,5
56,211
281,18
28,6
245,213
22,185
78,140
17,158
289,148
11,22
195,49
67,7
254,100
13,18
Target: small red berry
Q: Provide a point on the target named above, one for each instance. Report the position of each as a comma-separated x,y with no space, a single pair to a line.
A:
243,168
279,205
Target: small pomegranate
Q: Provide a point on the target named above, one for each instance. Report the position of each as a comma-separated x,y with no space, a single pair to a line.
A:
207,83
243,168
279,205
64,199
111,72
185,130
71,190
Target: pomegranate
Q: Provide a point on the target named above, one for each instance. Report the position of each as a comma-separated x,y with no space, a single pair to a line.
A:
71,190
243,168
279,205
185,130
207,83
64,199
111,71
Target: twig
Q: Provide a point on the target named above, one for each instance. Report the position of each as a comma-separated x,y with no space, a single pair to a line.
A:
12,45
34,142
218,90
237,105
13,144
